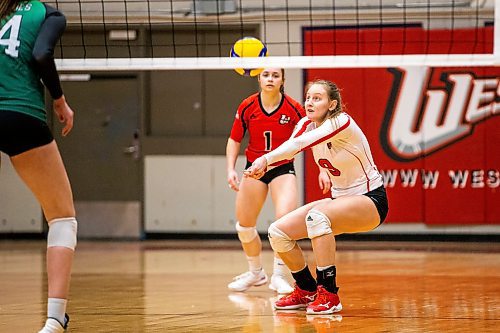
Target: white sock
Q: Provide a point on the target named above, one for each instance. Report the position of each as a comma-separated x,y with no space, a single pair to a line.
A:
254,264
319,268
279,267
56,308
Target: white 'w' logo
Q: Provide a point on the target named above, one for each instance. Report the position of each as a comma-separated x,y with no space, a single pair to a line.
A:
419,121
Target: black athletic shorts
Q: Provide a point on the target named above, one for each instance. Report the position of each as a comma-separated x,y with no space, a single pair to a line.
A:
283,169
379,197
20,132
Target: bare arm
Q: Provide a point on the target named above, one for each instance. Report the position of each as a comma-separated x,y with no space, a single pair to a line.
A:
232,151
325,184
64,114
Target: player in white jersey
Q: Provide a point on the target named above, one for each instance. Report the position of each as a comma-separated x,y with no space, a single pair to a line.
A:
360,201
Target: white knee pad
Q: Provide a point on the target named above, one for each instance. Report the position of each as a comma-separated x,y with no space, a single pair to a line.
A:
62,232
318,224
246,234
280,242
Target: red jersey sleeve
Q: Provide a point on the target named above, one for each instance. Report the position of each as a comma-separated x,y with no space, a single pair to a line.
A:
240,123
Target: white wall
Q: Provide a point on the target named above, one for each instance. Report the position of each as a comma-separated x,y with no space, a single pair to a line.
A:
190,194
19,210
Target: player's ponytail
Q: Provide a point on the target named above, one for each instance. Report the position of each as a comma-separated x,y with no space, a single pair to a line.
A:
282,88
7,7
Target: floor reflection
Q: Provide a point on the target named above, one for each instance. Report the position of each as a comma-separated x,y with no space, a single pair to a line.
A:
135,287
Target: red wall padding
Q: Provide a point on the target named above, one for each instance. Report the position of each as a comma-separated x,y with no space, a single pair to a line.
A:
371,97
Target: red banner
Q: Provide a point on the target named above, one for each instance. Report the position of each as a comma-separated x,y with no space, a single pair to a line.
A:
433,132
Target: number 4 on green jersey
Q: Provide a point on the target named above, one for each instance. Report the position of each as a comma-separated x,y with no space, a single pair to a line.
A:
12,42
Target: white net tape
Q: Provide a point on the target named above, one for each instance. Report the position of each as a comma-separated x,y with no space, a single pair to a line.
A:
137,64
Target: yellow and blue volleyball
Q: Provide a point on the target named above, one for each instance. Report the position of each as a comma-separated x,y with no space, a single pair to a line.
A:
248,47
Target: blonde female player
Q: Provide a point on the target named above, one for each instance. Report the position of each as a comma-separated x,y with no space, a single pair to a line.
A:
358,203
29,31
269,116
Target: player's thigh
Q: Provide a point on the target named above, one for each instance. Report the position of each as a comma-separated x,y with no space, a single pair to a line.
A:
43,171
284,194
249,201
294,223
355,213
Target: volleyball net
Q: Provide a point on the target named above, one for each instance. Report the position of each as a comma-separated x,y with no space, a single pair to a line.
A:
198,34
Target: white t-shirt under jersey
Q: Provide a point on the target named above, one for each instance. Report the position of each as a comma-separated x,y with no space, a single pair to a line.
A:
338,146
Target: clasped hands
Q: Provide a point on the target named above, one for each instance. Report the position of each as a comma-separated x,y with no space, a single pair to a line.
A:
257,169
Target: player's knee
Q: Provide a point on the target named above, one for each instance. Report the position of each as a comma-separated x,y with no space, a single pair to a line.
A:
280,241
62,232
246,234
318,224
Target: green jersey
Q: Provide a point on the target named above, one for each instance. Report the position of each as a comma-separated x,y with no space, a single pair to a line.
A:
20,87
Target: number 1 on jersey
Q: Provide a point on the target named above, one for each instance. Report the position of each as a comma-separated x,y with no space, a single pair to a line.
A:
267,139
12,42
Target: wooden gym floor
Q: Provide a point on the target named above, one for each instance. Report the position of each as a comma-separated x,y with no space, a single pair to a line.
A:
180,286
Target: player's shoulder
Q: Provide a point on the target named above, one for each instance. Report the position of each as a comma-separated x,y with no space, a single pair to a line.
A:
248,102
31,7
293,103
343,117
340,122
39,10
247,105
253,98
52,10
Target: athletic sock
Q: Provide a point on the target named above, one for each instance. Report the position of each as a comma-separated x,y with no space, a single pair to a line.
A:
254,264
56,308
304,279
279,267
326,278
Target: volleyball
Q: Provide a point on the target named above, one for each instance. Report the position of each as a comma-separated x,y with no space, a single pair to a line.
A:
248,47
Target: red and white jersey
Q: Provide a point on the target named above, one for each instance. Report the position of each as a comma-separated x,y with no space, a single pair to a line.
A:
338,146
266,130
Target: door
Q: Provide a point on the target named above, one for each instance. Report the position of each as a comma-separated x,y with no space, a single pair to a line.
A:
102,155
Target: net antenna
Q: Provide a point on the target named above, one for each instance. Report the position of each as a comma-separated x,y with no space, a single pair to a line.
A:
136,35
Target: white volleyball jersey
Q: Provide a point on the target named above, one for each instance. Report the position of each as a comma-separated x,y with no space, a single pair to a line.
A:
340,147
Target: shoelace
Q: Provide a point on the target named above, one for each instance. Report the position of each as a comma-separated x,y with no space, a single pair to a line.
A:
295,295
321,297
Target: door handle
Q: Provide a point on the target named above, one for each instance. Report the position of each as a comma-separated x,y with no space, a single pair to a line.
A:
133,149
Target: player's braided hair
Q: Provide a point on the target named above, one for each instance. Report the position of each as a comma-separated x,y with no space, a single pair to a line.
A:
333,93
7,7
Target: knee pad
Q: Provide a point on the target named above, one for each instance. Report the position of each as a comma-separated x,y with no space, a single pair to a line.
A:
318,224
246,234
62,232
280,242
